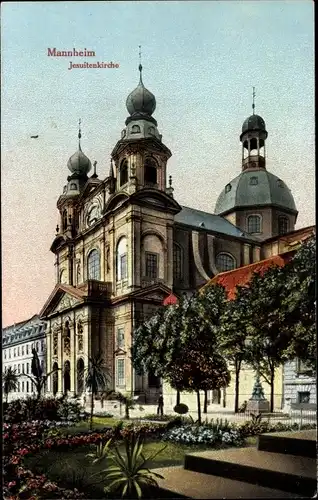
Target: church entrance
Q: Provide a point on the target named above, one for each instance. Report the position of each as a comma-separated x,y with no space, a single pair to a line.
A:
67,377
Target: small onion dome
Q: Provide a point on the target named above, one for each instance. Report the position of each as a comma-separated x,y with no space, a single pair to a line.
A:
141,100
253,122
79,163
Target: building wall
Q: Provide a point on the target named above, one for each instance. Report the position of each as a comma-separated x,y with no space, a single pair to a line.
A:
296,382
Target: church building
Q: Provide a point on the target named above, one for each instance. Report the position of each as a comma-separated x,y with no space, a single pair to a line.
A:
124,244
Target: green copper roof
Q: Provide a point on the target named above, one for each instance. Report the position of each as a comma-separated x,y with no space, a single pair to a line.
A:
257,187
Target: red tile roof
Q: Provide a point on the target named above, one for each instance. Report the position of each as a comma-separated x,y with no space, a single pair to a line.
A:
241,276
170,300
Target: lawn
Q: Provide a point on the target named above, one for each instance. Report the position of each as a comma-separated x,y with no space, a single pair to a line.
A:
72,469
98,424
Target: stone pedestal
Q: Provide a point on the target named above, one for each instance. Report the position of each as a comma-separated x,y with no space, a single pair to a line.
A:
258,406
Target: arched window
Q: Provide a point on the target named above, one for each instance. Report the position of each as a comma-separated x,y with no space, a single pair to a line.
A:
80,376
254,224
150,171
253,181
93,265
283,225
177,262
64,220
225,262
135,129
122,259
123,173
55,378
228,188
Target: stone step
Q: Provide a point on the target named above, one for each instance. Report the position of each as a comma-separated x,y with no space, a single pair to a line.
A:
189,484
300,443
289,473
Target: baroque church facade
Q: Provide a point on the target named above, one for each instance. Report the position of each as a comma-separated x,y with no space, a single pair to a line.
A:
124,244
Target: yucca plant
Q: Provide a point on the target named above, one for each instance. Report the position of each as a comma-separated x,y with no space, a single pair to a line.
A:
97,379
101,452
129,473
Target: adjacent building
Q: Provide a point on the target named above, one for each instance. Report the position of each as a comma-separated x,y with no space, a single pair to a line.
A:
18,340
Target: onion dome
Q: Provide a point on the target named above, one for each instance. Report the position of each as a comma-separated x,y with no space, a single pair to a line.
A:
141,101
253,122
79,163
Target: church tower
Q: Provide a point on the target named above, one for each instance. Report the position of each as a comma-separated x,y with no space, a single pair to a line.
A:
257,201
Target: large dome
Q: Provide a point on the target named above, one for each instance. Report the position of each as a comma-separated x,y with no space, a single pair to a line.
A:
79,163
253,122
141,100
255,188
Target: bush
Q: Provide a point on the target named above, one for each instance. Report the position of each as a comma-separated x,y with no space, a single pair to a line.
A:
202,434
104,414
154,416
181,409
29,409
70,410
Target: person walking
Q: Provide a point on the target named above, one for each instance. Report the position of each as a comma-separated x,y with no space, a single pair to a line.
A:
160,405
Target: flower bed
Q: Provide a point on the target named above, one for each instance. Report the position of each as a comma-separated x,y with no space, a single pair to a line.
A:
195,434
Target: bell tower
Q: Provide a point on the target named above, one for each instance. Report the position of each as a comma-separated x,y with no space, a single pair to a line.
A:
253,139
140,157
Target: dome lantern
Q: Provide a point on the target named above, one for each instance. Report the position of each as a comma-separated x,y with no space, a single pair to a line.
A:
78,163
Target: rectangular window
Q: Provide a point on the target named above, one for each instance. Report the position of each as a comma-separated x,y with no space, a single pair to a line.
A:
22,386
22,348
18,368
5,354
151,265
42,345
303,397
18,351
27,348
120,372
27,386
15,367
302,366
120,338
27,367
18,386
123,267
22,367
9,353
14,352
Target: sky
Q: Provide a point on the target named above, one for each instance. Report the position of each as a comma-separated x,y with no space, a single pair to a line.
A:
200,59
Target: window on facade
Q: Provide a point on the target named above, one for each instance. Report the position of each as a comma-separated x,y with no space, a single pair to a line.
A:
135,129
27,368
254,224
42,345
27,348
18,351
22,367
177,262
5,354
253,181
228,188
93,264
303,397
27,386
302,366
225,262
123,173
22,386
19,386
64,220
151,265
150,171
18,368
14,352
15,367
120,371
22,349
63,276
9,353
122,259
120,338
37,347
283,225
42,365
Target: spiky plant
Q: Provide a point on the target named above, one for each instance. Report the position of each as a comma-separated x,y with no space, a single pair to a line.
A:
9,381
96,379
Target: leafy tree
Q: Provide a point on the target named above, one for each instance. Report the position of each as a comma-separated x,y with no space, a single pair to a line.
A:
233,333
38,378
9,381
264,319
299,304
96,379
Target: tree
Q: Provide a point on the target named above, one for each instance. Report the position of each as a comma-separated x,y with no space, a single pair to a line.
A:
9,381
233,333
38,378
96,379
264,319
299,304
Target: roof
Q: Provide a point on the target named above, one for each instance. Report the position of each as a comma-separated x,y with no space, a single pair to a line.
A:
170,300
264,189
241,276
204,220
253,122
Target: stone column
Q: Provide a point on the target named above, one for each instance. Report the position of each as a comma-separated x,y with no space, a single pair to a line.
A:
256,254
72,359
60,362
246,254
168,256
